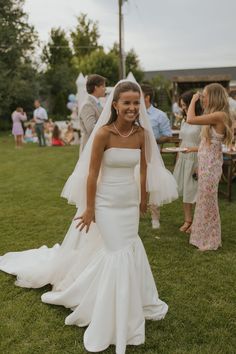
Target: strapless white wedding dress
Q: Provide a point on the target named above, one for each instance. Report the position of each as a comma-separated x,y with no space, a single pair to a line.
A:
104,276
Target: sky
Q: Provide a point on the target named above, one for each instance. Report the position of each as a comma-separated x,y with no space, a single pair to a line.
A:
165,34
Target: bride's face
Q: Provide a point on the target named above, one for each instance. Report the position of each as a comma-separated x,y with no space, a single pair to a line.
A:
128,106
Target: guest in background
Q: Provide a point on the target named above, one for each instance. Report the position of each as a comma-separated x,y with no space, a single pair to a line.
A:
29,136
185,171
69,135
18,116
232,105
56,137
206,227
176,109
40,116
92,108
48,130
162,131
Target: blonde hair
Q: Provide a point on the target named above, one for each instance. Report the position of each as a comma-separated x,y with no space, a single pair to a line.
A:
218,102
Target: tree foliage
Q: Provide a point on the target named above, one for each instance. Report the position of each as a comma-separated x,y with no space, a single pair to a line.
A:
58,50
59,78
17,42
63,57
162,88
99,62
107,64
131,62
85,36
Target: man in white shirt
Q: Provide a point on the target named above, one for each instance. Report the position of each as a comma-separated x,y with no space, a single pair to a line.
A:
162,131
40,116
92,108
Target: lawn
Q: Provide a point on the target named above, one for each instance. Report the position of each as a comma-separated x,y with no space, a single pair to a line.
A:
198,287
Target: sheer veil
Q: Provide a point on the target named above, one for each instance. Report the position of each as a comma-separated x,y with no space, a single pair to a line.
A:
160,182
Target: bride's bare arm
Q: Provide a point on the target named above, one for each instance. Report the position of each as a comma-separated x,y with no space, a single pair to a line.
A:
143,175
98,148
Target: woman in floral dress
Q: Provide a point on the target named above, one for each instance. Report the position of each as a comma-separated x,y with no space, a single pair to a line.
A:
206,227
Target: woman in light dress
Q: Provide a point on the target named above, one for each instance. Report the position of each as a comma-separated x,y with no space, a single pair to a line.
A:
185,171
18,116
206,227
101,271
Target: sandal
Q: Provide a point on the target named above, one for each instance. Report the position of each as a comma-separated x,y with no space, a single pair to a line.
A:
189,230
185,226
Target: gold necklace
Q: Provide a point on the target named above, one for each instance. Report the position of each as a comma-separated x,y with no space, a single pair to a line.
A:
122,135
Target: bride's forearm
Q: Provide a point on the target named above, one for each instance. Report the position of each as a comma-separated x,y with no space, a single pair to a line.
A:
143,189
91,191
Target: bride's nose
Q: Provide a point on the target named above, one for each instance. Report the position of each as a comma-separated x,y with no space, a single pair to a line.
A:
132,107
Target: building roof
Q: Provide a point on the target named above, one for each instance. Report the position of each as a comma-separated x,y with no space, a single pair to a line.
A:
193,75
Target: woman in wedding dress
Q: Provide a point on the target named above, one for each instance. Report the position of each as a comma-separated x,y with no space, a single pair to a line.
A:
101,271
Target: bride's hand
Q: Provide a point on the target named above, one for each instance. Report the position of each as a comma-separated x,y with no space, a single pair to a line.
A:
85,219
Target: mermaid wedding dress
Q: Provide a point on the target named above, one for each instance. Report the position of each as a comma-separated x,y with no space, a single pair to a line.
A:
104,276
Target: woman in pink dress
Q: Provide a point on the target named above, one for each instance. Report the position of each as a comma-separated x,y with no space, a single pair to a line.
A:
206,227
17,117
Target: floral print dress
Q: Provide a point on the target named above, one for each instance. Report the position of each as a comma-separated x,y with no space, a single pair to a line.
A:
206,227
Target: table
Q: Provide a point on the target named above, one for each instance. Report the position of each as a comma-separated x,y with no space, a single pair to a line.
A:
175,132
174,153
229,171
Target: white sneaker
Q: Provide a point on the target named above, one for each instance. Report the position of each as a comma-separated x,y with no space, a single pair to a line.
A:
155,224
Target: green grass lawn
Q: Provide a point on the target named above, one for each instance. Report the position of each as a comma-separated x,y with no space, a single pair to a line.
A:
198,287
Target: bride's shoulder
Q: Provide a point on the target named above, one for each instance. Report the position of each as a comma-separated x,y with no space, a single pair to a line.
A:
139,129
104,131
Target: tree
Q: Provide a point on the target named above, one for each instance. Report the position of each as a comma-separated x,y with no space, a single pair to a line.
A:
58,50
163,92
59,78
17,37
17,42
131,62
85,36
105,64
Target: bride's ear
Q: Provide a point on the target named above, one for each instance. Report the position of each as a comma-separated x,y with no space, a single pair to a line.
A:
114,105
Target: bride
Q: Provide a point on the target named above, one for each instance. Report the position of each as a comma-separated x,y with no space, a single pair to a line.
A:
101,271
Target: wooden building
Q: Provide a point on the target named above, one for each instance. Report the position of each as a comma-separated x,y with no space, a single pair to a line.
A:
186,79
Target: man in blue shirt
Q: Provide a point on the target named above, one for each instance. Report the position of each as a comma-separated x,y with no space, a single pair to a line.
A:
162,131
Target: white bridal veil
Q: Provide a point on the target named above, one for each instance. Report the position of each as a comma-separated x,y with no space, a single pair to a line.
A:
160,182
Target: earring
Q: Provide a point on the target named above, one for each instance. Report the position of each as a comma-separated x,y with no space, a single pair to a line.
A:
117,112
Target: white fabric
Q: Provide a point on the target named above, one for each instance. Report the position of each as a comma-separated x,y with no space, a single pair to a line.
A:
82,93
104,276
160,182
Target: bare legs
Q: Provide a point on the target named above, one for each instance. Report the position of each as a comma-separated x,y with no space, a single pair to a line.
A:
18,141
155,213
186,227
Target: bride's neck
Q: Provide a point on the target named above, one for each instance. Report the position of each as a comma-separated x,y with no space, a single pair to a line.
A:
123,125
